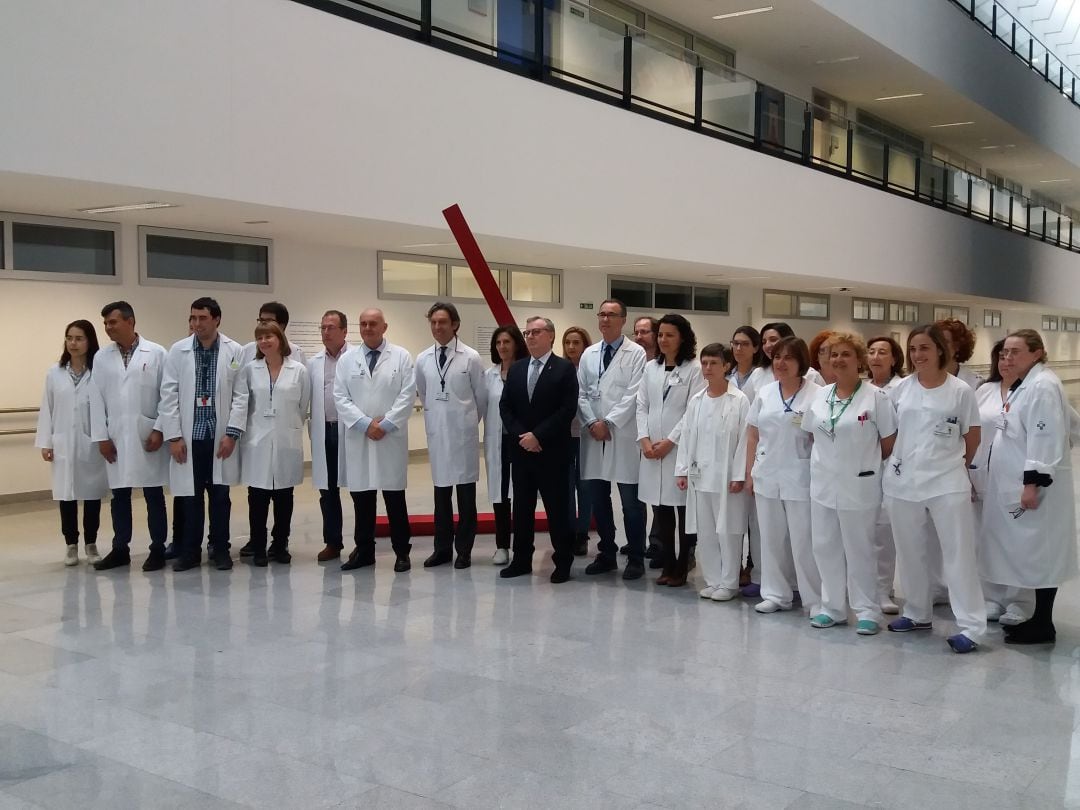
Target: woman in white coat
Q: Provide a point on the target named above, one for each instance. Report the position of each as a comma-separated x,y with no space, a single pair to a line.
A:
885,358
773,333
666,387
960,341
63,435
1029,516
507,346
926,480
272,447
778,478
710,466
854,427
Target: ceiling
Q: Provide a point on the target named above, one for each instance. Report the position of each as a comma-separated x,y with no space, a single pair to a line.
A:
800,39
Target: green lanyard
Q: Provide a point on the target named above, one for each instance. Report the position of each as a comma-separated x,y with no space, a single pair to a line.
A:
833,401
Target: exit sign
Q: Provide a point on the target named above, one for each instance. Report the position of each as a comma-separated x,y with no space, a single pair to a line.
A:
585,305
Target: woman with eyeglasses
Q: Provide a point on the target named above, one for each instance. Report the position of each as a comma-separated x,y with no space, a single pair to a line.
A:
778,476
1029,514
926,480
819,355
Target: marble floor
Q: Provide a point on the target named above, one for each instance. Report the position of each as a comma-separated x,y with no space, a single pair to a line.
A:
305,687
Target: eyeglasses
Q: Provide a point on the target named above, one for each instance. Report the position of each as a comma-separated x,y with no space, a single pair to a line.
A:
265,321
741,344
534,332
608,315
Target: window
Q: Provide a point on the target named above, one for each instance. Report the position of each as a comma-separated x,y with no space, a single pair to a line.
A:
867,309
35,247
959,313
782,304
903,312
992,317
1050,323
404,275
1070,324
669,296
191,258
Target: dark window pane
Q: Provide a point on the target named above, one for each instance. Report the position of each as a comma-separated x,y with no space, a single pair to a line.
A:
710,299
633,293
62,249
173,257
674,296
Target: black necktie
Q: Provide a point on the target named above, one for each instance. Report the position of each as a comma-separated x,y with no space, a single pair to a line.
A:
372,359
609,352
442,357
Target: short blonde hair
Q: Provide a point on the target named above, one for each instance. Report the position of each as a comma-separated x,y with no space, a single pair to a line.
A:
276,331
854,341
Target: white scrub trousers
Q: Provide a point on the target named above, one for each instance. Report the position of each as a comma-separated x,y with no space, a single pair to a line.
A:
786,567
885,549
846,553
719,553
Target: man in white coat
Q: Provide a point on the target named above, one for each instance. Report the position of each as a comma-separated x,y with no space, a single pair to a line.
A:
374,391
609,374
274,312
124,400
203,413
327,431
450,383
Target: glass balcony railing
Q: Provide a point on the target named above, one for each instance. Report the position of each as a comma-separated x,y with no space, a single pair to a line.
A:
1022,44
591,53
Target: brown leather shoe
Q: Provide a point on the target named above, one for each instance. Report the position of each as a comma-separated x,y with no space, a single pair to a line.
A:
676,581
663,579
329,553
744,577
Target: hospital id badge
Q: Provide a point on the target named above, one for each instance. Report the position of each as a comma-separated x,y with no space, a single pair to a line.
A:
594,393
827,431
204,402
796,419
442,396
943,429
694,471
1002,422
269,410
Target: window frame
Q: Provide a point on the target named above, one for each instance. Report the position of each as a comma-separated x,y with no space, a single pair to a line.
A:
989,315
204,236
869,304
952,313
902,305
1051,323
797,298
692,285
9,219
502,271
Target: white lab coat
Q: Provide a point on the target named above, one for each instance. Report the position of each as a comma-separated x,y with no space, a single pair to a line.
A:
493,433
988,400
177,408
1037,547
782,464
611,398
389,393
452,425
757,378
295,353
811,375
712,454
124,410
966,375
320,479
272,447
78,469
660,417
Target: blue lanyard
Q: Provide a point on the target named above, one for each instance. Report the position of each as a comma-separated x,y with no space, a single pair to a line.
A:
788,402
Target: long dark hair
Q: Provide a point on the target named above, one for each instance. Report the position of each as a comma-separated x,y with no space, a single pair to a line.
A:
782,329
755,340
688,347
520,349
91,343
995,355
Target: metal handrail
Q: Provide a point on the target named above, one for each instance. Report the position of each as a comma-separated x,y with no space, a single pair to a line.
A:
5,411
18,432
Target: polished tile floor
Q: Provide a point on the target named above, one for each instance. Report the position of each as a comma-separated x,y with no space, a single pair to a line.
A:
305,687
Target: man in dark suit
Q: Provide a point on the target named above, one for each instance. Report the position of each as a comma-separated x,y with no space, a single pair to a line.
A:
538,404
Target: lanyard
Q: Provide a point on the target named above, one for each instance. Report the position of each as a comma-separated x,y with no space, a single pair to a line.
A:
445,369
1012,392
833,401
672,378
788,402
271,376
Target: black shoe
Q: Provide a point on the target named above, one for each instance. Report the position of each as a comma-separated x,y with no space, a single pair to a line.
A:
186,563
560,575
1030,633
283,557
114,559
601,565
259,558
655,563
462,561
625,549
223,561
170,551
248,549
581,546
401,565
633,570
155,562
439,558
357,560
516,569
654,552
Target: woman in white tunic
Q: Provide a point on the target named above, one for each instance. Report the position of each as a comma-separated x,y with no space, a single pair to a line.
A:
854,427
749,372
666,387
272,447
820,355
710,466
778,455
960,340
1029,516
63,435
885,357
926,479
771,334
507,346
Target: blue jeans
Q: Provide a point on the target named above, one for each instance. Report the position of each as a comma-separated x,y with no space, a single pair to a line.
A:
581,515
156,520
633,512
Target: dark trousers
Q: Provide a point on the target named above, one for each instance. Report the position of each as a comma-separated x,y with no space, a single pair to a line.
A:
503,521
69,521
201,459
633,512
157,521
330,498
654,531
177,521
364,521
445,535
676,564
549,482
579,503
259,509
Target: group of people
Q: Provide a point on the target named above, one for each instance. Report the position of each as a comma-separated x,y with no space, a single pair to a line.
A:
836,469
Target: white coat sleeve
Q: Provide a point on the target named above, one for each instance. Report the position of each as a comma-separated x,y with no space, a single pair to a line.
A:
1047,428
398,415
695,385
684,453
169,407
479,386
738,470
238,409
643,405
305,394
99,423
586,414
420,377
348,412
624,412
44,437
884,416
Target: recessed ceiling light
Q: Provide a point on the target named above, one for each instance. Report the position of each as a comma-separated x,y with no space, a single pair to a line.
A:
989,147
256,222
953,124
745,13
600,266
837,60
430,244
1057,180
901,95
109,209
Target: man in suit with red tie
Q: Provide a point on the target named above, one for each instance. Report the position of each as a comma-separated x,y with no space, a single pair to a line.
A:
538,403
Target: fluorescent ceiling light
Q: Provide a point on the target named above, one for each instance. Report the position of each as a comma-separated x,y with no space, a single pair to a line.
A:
430,244
109,209
837,60
256,222
1058,180
953,124
599,266
901,95
745,13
